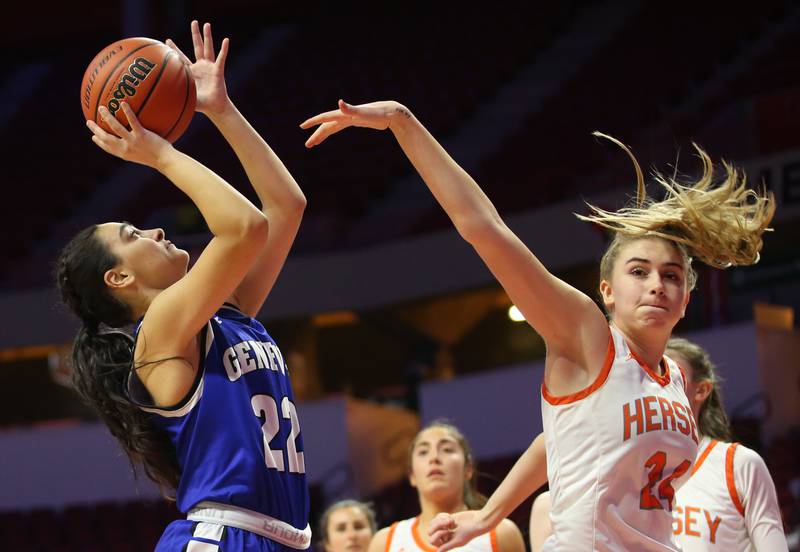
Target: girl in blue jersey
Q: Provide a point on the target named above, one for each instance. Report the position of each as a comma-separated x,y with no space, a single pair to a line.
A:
199,396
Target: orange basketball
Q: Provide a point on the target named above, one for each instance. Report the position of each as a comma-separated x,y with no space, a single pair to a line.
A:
150,77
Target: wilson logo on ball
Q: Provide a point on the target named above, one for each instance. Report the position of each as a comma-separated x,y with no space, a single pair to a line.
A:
137,72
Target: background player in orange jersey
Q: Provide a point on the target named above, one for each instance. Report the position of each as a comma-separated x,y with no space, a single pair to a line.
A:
442,469
729,502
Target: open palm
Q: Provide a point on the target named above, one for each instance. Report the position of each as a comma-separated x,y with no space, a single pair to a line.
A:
208,69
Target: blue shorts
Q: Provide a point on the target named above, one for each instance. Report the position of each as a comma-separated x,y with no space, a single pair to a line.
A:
184,535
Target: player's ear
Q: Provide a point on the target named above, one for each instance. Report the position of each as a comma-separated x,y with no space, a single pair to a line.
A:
117,278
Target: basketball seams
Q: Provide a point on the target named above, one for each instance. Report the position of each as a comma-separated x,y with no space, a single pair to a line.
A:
164,65
185,101
112,72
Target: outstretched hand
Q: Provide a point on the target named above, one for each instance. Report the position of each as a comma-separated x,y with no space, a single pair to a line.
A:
377,115
448,531
138,144
208,69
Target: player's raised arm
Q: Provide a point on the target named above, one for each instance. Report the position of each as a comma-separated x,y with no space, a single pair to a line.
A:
570,322
281,198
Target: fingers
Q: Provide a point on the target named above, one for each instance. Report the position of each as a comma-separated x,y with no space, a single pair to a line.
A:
324,130
208,43
203,43
449,545
133,121
98,131
445,540
197,40
102,145
440,530
438,537
112,122
100,137
321,118
223,54
178,51
347,108
441,522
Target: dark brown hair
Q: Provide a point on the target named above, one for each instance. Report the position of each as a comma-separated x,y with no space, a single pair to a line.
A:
102,357
712,420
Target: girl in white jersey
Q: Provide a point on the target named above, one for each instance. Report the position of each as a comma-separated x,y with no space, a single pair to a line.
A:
729,502
619,433
442,470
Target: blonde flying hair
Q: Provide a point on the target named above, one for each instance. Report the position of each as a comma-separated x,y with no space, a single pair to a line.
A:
719,223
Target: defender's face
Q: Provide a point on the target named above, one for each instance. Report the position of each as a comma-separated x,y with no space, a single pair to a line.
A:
648,287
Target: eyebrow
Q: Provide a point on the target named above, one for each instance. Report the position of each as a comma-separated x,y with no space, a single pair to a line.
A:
122,227
646,261
442,441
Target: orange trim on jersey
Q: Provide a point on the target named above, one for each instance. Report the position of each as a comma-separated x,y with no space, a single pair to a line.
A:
493,540
417,539
702,458
661,380
729,478
596,384
389,536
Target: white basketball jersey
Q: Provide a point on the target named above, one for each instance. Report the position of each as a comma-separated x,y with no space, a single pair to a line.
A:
710,513
404,537
616,453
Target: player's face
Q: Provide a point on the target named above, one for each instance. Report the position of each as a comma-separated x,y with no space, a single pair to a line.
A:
438,464
348,530
648,286
147,255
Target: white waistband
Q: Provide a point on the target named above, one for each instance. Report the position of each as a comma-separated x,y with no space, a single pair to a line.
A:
261,524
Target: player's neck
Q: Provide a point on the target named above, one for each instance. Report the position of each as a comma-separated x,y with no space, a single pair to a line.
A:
647,346
143,301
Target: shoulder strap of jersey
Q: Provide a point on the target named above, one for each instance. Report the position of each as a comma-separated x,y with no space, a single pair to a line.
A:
702,457
390,536
493,540
598,382
729,477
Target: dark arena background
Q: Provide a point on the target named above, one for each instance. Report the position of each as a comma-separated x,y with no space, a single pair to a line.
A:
386,317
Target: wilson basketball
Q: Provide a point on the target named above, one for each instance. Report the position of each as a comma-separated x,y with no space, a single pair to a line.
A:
150,77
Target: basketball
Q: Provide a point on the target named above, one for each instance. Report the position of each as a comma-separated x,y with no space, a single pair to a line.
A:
150,77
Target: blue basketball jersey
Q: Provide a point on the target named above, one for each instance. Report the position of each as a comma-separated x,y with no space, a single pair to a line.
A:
237,434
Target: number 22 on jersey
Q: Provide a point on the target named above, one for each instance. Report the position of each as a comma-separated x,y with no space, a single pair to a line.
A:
264,405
